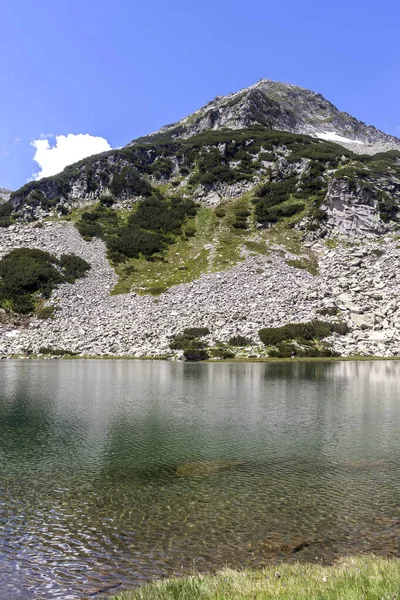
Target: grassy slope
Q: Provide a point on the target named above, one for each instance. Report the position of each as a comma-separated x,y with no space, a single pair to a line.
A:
353,578
187,259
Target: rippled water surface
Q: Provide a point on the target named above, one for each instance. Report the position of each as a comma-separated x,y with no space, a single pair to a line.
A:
116,472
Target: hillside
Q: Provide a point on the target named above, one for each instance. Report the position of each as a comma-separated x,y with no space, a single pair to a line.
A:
241,217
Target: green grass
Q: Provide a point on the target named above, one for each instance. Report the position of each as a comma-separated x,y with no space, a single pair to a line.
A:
216,246
352,578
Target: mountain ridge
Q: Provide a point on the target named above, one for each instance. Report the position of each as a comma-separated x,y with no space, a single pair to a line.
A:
277,106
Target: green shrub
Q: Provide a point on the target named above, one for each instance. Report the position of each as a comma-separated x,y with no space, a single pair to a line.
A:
328,312
195,332
220,212
73,267
222,353
195,355
56,351
6,209
150,228
129,182
239,340
290,350
283,350
188,339
88,229
239,225
271,336
162,167
26,271
181,342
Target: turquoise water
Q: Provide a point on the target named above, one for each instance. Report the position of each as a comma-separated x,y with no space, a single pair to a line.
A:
116,472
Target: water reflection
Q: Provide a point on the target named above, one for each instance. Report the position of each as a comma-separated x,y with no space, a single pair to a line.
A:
288,453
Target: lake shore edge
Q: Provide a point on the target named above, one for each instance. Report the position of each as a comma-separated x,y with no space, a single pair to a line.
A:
350,577
295,359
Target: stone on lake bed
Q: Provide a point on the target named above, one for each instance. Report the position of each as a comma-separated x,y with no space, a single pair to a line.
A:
205,468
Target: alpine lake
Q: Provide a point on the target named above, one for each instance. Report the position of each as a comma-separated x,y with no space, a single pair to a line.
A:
118,472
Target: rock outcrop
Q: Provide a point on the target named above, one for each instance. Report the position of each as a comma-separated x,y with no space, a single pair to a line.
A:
353,210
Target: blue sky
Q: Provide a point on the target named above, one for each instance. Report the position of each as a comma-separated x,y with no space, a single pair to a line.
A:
124,68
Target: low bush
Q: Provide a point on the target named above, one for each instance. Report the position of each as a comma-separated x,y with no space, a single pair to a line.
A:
271,336
6,209
330,311
283,350
195,332
73,267
242,212
162,167
302,350
195,355
220,212
25,272
222,353
239,224
188,339
128,182
239,340
182,342
56,351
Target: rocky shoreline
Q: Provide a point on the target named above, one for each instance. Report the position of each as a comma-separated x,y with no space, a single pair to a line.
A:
361,280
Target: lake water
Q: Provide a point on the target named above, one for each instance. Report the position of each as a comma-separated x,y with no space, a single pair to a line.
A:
116,472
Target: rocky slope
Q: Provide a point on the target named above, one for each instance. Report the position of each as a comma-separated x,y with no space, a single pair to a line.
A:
221,221
362,282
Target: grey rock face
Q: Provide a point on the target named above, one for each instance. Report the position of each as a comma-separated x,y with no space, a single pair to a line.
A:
353,210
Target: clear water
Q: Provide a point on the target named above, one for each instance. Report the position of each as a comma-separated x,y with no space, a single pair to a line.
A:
291,461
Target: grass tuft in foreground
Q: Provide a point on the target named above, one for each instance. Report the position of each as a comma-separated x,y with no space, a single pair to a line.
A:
352,578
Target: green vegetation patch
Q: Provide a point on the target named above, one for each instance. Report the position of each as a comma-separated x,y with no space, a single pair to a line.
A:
351,578
27,274
6,210
152,226
48,351
189,340
240,340
311,330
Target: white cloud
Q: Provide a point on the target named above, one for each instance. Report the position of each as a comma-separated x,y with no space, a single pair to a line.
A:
66,149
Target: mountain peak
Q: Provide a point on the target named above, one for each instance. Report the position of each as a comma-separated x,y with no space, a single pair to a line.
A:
285,107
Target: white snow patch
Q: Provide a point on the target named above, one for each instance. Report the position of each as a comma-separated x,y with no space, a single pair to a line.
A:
332,136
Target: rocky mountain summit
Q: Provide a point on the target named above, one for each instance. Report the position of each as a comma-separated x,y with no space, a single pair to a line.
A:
284,107
242,218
